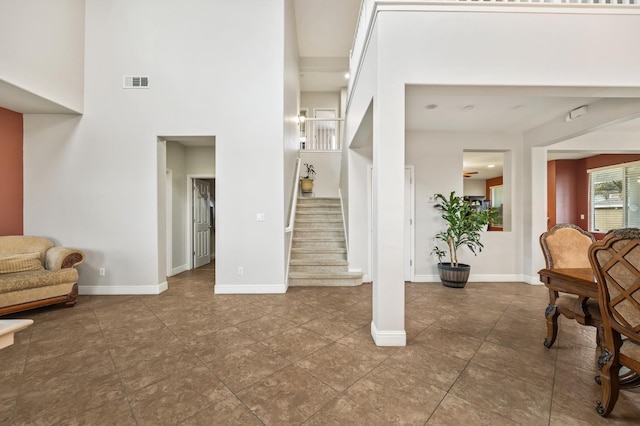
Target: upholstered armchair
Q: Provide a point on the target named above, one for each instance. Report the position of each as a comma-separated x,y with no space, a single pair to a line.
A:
616,263
34,273
567,246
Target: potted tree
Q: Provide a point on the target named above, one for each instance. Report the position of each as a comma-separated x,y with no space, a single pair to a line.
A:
306,182
465,224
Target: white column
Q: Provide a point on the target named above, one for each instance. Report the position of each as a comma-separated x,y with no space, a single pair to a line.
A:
387,327
535,208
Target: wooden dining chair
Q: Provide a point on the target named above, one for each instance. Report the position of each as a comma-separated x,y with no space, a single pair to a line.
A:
616,263
566,245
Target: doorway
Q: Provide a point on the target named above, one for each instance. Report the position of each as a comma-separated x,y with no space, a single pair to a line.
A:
201,221
180,160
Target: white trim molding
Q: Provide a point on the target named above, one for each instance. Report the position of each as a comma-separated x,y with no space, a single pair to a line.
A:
114,290
484,278
250,289
388,338
179,269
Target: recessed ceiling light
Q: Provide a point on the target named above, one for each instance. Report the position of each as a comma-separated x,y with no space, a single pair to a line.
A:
346,75
491,166
468,107
431,106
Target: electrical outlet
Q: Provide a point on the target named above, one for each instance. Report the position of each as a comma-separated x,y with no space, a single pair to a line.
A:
240,270
102,272
260,217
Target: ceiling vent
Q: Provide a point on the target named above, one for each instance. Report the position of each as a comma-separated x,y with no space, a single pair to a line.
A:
136,82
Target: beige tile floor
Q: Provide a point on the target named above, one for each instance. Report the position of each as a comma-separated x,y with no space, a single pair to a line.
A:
474,356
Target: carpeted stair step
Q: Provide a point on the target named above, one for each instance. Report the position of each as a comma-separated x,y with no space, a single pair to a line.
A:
318,265
327,279
318,248
320,242
310,253
313,223
318,232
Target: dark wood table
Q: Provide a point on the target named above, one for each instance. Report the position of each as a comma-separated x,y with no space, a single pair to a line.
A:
581,282
578,281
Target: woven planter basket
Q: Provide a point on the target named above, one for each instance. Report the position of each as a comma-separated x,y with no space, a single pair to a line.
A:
454,277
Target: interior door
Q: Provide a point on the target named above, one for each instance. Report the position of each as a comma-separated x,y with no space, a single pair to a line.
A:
201,223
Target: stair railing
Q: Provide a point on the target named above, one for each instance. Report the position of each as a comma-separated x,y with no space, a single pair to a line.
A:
294,197
321,134
292,216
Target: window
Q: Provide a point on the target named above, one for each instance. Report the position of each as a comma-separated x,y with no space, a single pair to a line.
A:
497,202
614,197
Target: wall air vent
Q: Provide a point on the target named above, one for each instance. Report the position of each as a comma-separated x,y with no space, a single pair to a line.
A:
136,82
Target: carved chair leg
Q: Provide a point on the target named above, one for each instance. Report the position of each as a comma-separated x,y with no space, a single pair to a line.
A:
551,314
610,383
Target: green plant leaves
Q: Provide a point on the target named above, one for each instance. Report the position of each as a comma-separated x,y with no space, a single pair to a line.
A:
465,224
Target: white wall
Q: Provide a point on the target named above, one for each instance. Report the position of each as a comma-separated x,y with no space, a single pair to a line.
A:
42,49
357,155
477,187
324,100
327,167
290,124
483,49
437,158
176,162
101,170
200,160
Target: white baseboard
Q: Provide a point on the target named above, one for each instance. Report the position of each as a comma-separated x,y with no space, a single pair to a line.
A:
388,338
426,278
535,280
483,278
114,290
180,269
250,288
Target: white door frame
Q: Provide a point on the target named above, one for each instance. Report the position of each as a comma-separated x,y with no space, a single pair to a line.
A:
412,224
189,215
169,219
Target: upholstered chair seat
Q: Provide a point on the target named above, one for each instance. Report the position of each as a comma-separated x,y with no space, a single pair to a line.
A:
566,246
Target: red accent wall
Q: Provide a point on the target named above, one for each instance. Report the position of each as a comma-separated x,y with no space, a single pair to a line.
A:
551,194
568,187
11,183
489,183
566,194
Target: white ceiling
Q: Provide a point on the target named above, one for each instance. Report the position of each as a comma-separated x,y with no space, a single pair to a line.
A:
191,140
479,162
325,30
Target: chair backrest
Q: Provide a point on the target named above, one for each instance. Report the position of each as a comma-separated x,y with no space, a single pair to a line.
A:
616,264
566,245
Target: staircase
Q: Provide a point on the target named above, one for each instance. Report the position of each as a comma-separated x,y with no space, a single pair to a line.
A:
319,249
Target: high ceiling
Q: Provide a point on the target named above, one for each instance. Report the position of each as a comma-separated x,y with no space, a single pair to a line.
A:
325,31
325,36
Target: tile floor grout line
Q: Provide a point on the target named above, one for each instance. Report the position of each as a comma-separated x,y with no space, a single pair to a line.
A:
115,368
521,301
